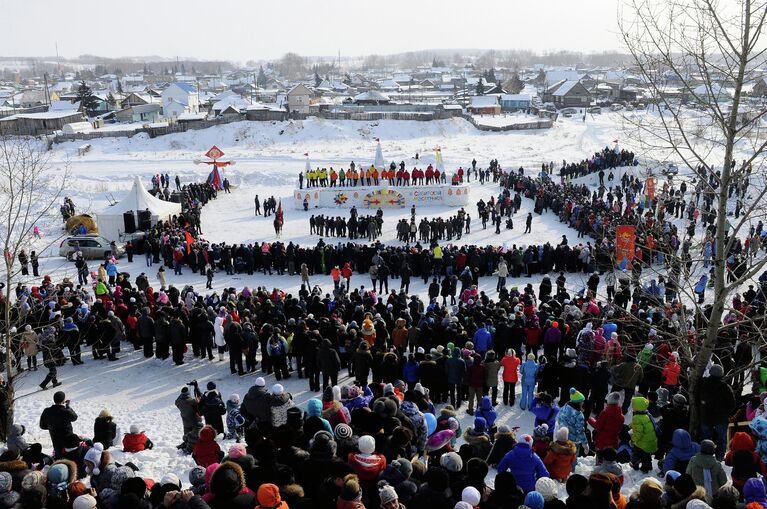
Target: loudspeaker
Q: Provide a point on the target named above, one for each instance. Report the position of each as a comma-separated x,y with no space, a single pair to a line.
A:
144,220
129,220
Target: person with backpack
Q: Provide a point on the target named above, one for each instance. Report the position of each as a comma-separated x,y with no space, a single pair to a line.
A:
644,438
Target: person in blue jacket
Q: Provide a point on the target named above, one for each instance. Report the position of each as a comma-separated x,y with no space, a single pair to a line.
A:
527,372
571,417
524,464
545,410
483,340
487,412
683,448
410,371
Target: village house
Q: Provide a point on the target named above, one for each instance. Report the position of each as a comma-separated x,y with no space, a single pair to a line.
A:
35,124
298,99
515,102
484,105
140,113
179,98
568,93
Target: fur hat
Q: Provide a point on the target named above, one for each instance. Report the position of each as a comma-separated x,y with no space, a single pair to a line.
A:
716,371
471,496
547,487
84,502
562,434
94,456
451,462
614,398
342,431
367,444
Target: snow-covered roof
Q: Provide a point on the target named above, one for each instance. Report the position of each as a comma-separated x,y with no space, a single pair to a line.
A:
45,115
484,101
516,97
562,75
187,115
186,87
64,106
372,95
565,87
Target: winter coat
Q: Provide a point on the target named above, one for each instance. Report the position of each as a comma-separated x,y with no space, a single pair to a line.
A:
475,374
706,471
367,466
479,442
716,401
212,408
510,367
228,489
327,358
486,411
607,427
528,371
58,419
543,413
483,340
410,409
279,408
643,435
335,413
671,372
362,361
104,431
455,367
504,442
744,460
524,465
29,343
206,451
218,328
256,406
560,459
136,442
492,367
572,418
683,449
15,441
187,406
627,374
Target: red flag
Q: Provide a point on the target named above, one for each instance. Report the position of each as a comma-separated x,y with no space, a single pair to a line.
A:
189,241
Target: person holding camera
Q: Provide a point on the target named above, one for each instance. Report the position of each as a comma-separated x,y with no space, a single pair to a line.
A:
188,408
58,419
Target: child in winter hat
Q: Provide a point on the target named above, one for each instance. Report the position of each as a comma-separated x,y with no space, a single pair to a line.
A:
8,498
388,496
93,456
197,480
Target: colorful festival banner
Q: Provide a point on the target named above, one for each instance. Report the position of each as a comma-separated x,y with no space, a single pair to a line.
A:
624,245
650,188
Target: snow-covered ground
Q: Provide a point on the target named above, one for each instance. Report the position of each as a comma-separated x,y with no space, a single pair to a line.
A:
506,119
269,157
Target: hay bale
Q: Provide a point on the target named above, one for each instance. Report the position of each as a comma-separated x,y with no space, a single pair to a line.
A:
82,219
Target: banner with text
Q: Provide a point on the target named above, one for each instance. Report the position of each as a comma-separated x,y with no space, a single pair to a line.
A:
624,245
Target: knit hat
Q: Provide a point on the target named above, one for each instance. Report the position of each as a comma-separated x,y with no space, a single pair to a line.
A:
277,389
525,439
547,487
562,434
211,386
716,371
570,352
541,432
707,447
697,504
342,431
471,496
386,493
134,429
84,502
94,456
650,491
170,479
322,445
576,396
480,424
451,462
404,467
531,356
237,451
327,394
614,398
685,485
197,475
234,398
351,489
367,444
260,382
679,400
534,500
6,482
503,428
463,505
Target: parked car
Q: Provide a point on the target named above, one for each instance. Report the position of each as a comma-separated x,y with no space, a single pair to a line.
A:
595,110
670,169
616,107
568,111
93,247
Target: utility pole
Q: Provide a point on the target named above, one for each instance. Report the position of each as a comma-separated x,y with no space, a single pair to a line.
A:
47,92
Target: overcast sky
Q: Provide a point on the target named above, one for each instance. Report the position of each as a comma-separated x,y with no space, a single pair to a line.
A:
240,30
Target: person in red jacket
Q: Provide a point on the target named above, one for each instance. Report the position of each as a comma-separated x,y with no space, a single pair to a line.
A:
510,364
207,451
561,456
136,440
609,424
744,460
367,464
671,373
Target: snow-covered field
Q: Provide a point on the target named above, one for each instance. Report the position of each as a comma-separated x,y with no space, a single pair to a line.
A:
269,157
506,119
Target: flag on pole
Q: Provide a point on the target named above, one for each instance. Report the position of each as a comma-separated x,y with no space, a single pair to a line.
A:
189,241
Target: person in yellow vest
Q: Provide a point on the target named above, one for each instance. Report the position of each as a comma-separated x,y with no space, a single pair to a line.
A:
324,177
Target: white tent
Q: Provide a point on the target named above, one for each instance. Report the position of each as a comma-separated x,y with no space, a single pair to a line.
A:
111,222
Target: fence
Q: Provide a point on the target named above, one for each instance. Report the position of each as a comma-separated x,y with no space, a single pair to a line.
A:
540,124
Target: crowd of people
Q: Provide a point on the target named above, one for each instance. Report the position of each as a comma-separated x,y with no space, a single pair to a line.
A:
391,372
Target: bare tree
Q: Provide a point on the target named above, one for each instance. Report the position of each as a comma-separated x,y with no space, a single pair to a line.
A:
30,190
697,58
